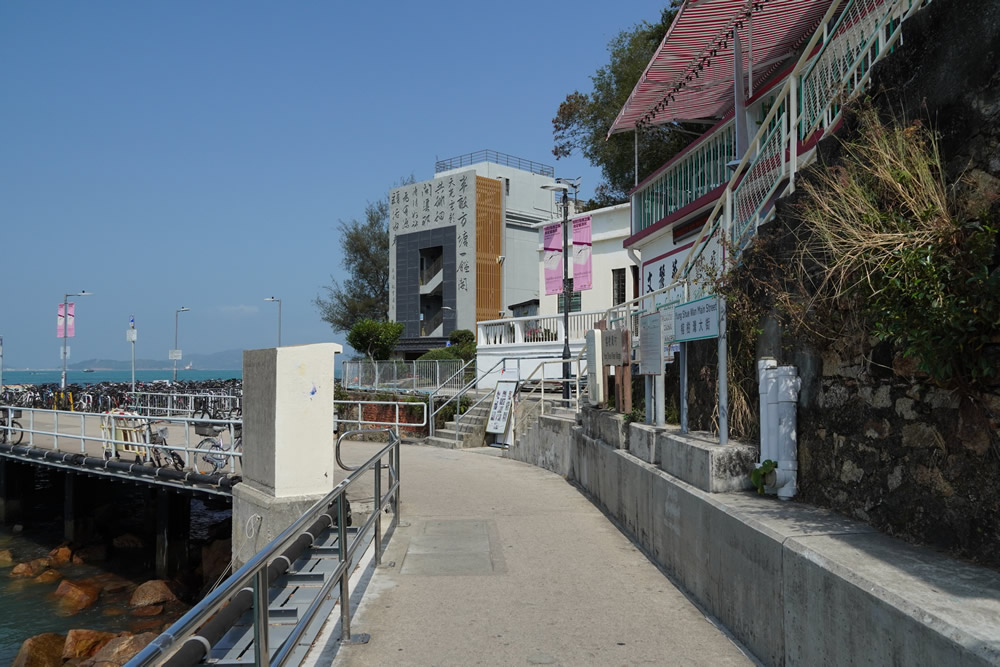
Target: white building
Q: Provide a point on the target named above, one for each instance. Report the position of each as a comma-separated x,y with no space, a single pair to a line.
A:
462,245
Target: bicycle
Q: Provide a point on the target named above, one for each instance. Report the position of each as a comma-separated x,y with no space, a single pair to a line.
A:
10,431
157,451
213,454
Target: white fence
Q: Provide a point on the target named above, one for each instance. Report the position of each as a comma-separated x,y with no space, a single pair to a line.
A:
422,376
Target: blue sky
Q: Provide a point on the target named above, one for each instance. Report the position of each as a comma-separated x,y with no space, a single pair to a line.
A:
200,154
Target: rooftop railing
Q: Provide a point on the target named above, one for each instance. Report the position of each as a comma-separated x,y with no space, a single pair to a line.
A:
496,158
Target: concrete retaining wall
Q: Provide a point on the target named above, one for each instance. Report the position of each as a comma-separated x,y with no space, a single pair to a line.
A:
797,585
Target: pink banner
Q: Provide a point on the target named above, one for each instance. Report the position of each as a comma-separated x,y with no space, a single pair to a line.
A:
583,271
72,321
552,244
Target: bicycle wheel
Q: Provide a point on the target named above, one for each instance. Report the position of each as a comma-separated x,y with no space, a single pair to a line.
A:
210,457
16,434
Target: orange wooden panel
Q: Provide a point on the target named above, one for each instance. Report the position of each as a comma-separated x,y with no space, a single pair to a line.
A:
489,246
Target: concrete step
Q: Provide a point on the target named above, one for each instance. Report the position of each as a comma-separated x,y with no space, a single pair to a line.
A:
466,426
445,442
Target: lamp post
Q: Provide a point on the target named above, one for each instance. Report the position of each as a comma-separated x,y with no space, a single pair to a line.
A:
563,186
62,382
176,352
271,298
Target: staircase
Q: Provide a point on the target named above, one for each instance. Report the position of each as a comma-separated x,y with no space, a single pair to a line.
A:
469,432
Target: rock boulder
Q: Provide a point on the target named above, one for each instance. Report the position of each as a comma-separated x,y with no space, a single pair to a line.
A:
119,650
43,650
32,568
48,576
155,591
6,558
75,596
85,643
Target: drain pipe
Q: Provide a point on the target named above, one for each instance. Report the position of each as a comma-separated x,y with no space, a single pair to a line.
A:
787,385
768,437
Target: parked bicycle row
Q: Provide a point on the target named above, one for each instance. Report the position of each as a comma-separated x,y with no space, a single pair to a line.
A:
216,399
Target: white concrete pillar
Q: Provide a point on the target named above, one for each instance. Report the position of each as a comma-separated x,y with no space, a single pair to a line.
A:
288,458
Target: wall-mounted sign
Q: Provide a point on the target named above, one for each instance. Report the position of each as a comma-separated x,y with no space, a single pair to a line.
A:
696,320
612,347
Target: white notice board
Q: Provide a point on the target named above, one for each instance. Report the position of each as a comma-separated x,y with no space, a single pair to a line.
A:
503,401
650,345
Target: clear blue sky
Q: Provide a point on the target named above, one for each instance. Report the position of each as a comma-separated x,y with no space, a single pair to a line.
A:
200,154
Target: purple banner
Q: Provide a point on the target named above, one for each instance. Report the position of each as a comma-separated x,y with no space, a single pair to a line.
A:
553,258
583,270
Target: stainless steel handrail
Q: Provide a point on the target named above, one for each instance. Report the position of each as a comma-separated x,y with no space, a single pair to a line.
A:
253,575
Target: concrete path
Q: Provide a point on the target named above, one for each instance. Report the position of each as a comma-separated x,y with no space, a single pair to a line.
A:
501,563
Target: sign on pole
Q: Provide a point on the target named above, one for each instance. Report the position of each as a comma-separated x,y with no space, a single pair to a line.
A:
583,274
174,355
650,345
613,347
697,320
503,401
552,263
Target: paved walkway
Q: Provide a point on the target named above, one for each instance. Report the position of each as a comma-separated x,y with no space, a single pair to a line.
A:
497,562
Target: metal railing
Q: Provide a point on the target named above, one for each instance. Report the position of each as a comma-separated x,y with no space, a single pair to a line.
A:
500,367
495,157
422,376
428,273
120,434
428,327
535,328
185,642
341,414
152,404
697,171
835,65
534,399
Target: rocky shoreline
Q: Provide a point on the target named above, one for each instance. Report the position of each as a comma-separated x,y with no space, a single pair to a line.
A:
151,606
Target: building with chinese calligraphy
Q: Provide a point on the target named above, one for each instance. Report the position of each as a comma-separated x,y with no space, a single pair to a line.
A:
462,245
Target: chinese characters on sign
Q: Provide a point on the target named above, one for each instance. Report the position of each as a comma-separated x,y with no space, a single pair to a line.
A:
696,320
583,274
503,401
552,244
612,347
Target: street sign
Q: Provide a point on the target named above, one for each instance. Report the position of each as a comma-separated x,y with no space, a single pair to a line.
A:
63,350
174,355
697,320
130,335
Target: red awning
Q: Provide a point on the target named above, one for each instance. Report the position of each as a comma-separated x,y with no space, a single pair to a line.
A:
691,75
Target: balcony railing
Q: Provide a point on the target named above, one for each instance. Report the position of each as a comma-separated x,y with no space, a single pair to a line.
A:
535,329
690,176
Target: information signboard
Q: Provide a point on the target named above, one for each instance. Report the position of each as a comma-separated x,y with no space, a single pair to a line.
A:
667,322
503,401
650,345
612,347
697,320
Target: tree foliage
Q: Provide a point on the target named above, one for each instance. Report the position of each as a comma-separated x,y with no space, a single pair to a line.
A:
583,119
365,253
375,338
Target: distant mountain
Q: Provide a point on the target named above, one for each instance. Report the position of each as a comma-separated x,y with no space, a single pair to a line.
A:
229,360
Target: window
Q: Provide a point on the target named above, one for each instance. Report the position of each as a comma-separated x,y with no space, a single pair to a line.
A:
617,286
574,302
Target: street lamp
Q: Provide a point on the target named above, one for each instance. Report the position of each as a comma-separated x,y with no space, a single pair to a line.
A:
271,298
563,185
62,382
176,353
